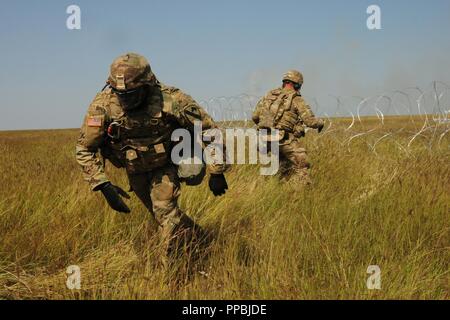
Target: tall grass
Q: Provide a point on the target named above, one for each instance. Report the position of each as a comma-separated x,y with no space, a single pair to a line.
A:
388,207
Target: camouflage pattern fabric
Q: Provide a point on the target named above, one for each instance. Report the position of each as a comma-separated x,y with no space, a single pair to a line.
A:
290,115
159,191
294,76
130,71
139,141
180,111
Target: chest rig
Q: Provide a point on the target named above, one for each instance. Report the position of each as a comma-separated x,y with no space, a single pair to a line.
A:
277,111
140,140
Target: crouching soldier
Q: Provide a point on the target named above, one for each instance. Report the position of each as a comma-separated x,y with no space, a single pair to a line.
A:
130,123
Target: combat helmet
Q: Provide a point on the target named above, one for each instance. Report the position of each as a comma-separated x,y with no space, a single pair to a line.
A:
130,71
294,76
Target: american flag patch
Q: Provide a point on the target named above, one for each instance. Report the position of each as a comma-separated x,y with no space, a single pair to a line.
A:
94,121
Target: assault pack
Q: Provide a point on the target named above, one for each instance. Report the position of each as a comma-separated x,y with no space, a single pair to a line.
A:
277,112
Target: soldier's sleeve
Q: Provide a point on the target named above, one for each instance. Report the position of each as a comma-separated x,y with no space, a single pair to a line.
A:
306,115
89,141
189,112
257,112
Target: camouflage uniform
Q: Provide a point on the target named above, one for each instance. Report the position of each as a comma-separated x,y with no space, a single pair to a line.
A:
286,110
139,140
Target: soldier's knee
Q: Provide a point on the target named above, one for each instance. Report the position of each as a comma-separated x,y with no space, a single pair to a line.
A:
163,193
165,188
165,202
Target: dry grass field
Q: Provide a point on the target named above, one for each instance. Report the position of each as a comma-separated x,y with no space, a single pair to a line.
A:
378,198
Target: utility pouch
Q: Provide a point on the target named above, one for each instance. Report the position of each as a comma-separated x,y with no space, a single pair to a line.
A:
288,121
269,111
146,158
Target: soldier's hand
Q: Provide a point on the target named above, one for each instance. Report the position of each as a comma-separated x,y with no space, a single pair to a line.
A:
320,127
113,196
218,184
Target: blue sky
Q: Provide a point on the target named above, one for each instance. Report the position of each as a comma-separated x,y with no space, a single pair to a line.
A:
213,48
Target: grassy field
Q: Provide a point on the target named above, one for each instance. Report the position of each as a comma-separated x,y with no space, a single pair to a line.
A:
375,201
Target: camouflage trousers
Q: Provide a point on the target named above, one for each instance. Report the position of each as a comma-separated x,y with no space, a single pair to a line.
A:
159,191
294,164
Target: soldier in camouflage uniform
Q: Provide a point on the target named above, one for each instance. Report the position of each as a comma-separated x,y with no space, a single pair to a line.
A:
130,123
285,109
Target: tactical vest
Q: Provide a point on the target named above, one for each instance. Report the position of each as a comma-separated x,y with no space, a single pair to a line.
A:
140,140
277,111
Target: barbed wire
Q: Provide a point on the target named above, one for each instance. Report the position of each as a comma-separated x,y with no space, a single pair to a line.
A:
422,114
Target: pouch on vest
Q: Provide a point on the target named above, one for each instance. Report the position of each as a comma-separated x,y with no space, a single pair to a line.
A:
267,116
288,121
266,119
143,159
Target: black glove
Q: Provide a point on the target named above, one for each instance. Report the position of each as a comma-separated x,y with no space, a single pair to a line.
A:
112,194
218,184
320,127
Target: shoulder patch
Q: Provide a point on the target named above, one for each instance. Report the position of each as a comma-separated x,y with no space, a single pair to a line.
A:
94,121
193,112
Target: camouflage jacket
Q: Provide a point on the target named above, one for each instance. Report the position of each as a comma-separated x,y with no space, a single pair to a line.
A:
175,108
285,109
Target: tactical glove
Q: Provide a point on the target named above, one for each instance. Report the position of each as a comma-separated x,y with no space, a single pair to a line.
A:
113,195
320,127
217,184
